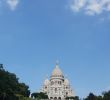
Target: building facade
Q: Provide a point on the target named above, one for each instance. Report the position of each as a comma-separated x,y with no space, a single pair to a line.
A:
57,87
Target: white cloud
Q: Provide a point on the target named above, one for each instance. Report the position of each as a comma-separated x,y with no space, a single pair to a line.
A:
78,4
90,7
12,4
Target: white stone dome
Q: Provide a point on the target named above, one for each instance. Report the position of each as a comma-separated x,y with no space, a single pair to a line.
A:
57,71
46,82
66,82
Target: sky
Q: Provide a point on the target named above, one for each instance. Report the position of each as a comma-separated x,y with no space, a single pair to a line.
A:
36,33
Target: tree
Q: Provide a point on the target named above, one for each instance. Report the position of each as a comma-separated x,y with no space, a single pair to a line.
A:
76,98
1,66
106,95
10,86
72,98
91,97
99,97
40,95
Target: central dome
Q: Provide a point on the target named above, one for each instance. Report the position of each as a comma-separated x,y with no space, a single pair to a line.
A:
57,72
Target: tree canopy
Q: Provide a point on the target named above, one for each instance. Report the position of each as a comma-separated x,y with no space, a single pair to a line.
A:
10,87
104,96
40,95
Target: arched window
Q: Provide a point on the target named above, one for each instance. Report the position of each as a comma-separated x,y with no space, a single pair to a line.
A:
55,98
52,83
55,82
55,90
51,98
60,82
66,93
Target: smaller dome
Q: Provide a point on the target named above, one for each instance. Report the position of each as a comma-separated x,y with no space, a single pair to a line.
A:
46,82
66,82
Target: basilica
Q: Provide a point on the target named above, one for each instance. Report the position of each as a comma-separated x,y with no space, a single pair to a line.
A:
57,86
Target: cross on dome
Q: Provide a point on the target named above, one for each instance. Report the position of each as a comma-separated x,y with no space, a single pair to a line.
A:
57,62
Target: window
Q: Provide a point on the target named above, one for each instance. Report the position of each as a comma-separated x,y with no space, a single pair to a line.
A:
55,90
66,93
52,83
60,82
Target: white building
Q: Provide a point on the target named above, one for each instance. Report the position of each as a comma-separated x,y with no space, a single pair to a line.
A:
57,87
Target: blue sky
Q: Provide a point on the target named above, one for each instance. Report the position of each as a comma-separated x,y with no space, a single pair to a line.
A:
35,33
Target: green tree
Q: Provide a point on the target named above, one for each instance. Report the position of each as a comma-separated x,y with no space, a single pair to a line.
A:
106,95
99,98
1,66
10,87
76,98
91,97
40,95
73,98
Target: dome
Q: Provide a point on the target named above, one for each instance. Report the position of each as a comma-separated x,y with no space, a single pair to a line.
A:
66,82
46,82
57,71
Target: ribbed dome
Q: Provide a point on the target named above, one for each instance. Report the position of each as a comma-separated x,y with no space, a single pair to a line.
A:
66,82
46,82
57,71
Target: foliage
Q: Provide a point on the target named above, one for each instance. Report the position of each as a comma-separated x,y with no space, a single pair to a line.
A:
91,97
10,87
72,98
40,95
104,96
